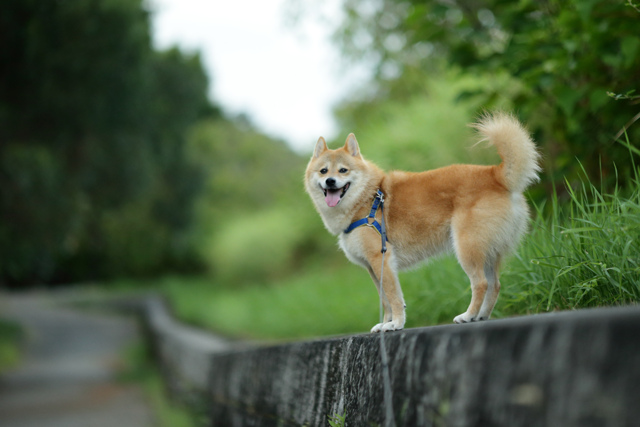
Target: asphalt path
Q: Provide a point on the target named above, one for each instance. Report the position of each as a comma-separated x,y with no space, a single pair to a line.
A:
69,371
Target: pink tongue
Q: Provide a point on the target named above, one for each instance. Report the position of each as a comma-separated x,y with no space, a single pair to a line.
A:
332,198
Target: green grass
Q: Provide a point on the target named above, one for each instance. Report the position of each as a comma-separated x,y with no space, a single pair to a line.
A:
140,370
335,301
586,254
582,252
10,337
322,301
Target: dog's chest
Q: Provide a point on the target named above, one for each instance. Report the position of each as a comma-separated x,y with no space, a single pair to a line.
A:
353,247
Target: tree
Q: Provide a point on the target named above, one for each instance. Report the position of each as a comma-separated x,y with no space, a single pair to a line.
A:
564,55
93,125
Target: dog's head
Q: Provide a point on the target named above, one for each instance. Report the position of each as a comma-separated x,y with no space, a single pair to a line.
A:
333,174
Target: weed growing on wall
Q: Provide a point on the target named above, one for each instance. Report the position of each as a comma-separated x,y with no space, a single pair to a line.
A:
337,420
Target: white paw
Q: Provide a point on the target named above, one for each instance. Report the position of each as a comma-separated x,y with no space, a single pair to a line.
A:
392,326
388,326
377,328
465,318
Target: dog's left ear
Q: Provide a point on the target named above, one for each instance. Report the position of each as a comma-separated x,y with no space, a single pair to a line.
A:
352,146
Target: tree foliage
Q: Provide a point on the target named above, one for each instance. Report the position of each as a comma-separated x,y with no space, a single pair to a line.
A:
251,218
563,57
93,167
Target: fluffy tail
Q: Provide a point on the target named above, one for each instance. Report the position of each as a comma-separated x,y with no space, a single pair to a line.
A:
516,148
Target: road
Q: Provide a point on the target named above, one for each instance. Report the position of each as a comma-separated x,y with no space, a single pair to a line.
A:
71,360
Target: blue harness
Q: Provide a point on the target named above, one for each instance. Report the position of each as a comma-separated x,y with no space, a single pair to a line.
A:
378,202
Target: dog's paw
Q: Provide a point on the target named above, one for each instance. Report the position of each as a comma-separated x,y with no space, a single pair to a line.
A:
387,326
392,326
465,318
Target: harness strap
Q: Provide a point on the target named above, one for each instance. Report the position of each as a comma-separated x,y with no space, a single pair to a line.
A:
378,202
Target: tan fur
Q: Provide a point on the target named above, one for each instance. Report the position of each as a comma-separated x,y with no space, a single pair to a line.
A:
478,212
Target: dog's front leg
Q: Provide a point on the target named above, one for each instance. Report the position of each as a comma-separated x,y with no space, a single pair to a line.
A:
385,302
390,292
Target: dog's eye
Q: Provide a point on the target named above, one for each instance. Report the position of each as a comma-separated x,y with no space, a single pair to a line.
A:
343,170
324,170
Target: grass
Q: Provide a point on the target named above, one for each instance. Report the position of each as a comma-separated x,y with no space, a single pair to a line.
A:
582,252
337,301
140,370
10,336
323,301
584,255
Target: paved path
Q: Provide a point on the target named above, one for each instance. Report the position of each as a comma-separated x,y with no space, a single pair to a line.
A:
69,369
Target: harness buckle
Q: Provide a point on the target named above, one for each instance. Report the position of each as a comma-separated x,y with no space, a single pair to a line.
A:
371,221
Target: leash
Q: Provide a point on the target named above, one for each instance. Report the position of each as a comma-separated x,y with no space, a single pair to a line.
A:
386,375
380,227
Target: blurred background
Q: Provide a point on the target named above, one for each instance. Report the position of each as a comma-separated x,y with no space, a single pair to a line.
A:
162,144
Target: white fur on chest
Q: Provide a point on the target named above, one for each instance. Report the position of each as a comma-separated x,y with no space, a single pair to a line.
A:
351,245
336,220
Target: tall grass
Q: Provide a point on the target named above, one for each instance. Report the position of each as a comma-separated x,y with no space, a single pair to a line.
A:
585,254
581,251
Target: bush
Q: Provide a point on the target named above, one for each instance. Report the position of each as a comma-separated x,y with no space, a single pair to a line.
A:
267,244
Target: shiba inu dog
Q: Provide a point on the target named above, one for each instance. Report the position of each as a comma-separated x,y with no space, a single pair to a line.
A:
478,212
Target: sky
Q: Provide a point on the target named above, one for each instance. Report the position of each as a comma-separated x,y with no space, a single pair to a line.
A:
286,76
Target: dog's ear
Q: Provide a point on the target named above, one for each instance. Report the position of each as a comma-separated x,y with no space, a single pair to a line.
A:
321,147
352,146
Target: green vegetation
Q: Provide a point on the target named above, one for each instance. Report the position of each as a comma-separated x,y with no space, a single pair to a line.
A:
425,130
584,254
95,181
10,337
113,161
562,58
117,167
337,420
138,369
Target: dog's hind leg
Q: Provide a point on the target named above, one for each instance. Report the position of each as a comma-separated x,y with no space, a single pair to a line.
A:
472,260
479,287
491,272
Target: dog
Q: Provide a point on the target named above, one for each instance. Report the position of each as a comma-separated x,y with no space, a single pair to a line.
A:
478,212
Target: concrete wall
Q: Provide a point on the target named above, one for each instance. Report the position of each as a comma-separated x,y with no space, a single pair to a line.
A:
567,369
183,353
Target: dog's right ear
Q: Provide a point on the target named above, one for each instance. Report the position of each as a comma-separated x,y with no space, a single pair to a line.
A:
321,147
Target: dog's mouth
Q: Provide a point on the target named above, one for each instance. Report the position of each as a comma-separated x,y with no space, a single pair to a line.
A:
333,196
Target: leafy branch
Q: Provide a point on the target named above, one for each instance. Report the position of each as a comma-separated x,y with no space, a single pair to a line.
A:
633,5
625,96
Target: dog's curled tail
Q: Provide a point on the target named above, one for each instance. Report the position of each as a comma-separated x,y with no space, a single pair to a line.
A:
519,155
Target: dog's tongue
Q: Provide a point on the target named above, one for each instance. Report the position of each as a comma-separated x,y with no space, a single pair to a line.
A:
332,198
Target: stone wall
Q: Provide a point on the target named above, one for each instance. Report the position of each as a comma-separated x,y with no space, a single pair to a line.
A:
567,369
183,353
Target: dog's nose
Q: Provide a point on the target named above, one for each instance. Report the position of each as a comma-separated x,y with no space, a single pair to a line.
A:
331,182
